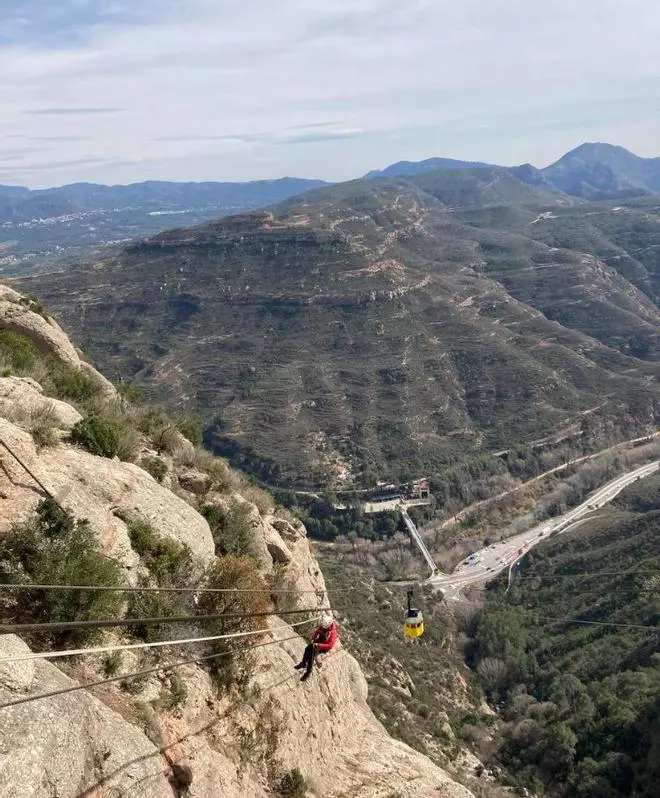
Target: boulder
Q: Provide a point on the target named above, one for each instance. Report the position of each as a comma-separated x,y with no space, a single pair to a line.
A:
286,529
23,402
277,548
194,481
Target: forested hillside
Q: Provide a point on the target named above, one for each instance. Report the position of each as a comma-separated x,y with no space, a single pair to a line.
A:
572,656
386,328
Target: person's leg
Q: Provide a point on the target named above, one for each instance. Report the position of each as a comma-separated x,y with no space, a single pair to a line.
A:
310,651
307,658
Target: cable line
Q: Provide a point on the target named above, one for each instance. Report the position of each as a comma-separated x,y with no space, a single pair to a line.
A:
598,623
74,652
136,674
119,588
586,575
65,625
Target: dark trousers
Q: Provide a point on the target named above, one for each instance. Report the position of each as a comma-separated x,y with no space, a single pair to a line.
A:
308,657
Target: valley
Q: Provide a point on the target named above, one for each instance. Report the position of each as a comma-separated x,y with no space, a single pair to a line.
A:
43,228
506,554
383,329
575,677
496,338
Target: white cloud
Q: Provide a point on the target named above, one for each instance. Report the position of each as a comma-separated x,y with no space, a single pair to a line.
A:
212,89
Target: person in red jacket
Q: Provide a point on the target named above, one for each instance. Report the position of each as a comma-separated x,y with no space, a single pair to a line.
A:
323,639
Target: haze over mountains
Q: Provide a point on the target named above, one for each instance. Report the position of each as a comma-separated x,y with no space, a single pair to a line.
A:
40,227
387,327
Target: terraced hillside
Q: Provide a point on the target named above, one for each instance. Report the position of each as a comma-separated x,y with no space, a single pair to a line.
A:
385,327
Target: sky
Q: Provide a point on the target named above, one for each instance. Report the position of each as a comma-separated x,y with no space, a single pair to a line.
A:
115,91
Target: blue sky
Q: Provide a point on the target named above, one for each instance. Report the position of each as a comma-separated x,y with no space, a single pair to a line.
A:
116,91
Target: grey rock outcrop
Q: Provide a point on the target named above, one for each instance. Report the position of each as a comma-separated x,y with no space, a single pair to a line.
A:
22,401
63,746
97,488
46,335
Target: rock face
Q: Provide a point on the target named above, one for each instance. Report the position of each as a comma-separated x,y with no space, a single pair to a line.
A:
96,488
62,746
47,336
107,742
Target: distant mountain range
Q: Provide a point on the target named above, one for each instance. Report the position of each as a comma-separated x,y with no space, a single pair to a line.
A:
402,168
20,204
55,225
39,228
591,171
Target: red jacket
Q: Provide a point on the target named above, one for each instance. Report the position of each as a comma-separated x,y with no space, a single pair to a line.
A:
324,639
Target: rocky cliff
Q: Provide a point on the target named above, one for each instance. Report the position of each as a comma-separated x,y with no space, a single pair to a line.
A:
115,741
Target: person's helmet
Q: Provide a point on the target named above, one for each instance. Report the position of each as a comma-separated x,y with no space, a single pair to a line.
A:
326,621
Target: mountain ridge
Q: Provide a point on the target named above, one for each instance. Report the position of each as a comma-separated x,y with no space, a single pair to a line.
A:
381,328
152,194
591,171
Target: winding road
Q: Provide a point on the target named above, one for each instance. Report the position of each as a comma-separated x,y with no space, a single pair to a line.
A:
503,555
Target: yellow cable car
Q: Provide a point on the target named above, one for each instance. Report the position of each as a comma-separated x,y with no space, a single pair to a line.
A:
413,621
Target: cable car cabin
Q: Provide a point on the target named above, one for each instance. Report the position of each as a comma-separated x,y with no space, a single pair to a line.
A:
413,623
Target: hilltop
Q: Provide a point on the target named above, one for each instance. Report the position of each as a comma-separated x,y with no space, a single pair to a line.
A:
385,328
604,171
406,168
592,171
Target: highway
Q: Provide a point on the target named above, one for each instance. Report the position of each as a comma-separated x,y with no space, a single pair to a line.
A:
504,554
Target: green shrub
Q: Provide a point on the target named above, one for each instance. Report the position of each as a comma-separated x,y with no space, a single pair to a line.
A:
135,684
75,384
18,351
293,783
156,605
175,696
98,436
154,466
239,574
259,497
220,476
169,562
32,303
131,393
55,548
152,421
112,663
169,565
129,443
231,529
192,429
